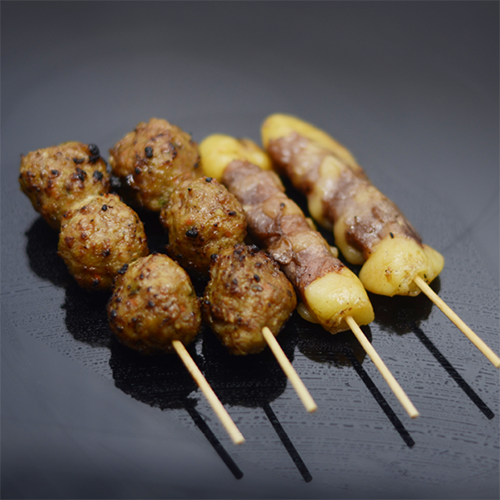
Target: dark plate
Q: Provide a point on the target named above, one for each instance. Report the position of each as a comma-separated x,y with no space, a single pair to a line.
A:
412,90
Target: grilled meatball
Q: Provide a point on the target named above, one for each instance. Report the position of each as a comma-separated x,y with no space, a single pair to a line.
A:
152,160
202,219
57,177
246,292
98,237
153,303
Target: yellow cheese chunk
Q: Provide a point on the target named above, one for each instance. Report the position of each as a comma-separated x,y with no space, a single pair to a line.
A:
217,151
352,254
394,264
280,125
333,297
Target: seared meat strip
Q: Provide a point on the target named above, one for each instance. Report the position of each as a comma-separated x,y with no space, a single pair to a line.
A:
329,290
368,227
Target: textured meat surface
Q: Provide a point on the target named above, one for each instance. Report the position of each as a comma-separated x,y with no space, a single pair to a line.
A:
152,161
367,215
279,224
57,177
153,303
98,238
246,292
202,219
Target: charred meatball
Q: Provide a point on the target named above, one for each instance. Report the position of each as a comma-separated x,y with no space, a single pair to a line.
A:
152,161
202,219
153,303
246,292
57,177
98,237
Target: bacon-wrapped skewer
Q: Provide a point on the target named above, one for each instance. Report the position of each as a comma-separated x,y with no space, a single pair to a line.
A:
330,292
248,299
369,229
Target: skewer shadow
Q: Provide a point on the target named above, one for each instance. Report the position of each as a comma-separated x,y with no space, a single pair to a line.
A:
86,318
252,381
41,250
343,349
397,314
163,382
453,373
321,346
159,381
403,315
379,398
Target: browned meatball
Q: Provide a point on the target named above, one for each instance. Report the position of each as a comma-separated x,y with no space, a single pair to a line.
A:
57,177
246,292
202,219
153,303
152,161
98,237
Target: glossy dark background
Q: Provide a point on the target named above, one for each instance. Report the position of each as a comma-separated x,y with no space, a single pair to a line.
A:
412,90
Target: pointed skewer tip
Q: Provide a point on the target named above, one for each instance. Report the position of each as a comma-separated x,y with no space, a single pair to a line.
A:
382,368
289,370
208,392
457,321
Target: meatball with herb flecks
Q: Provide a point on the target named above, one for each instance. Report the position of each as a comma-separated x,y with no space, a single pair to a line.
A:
153,303
202,219
55,178
152,160
246,292
98,236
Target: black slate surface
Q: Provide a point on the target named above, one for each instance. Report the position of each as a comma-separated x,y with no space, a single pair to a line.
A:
412,90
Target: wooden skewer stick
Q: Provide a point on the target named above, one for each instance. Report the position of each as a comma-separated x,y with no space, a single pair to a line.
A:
377,360
208,392
289,370
457,321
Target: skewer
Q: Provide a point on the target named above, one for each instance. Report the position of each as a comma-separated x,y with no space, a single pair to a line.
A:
384,371
287,442
328,313
457,321
208,392
289,370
